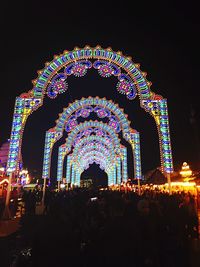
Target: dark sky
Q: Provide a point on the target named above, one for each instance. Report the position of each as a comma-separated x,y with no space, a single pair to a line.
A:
162,38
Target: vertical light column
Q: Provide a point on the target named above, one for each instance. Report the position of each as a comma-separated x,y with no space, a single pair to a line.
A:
61,152
119,176
23,108
110,178
114,174
108,174
165,142
50,139
70,173
135,144
16,135
77,181
158,109
68,169
73,175
124,164
47,155
164,135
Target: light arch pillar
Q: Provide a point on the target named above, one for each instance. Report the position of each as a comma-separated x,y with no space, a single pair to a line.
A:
61,155
23,108
73,175
110,178
135,144
159,110
77,178
114,173
124,165
119,176
68,170
50,139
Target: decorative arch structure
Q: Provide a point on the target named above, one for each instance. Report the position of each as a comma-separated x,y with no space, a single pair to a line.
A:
72,175
115,171
93,127
109,140
86,129
90,154
94,142
68,120
113,159
102,107
93,145
53,80
90,157
99,158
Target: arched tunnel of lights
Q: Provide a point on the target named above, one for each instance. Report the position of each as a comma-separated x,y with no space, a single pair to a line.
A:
98,149
53,80
108,132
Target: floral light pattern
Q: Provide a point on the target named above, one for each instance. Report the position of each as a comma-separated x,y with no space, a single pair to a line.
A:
58,85
126,86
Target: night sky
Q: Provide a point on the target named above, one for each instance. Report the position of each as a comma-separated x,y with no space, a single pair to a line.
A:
163,39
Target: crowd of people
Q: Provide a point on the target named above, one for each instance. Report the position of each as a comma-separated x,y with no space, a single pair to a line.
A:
84,227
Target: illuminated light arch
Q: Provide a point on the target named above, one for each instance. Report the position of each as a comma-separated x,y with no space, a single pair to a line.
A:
102,107
96,127
88,140
52,137
110,140
77,63
73,175
114,169
99,145
86,144
90,143
114,173
90,157
52,80
95,156
93,146
82,108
